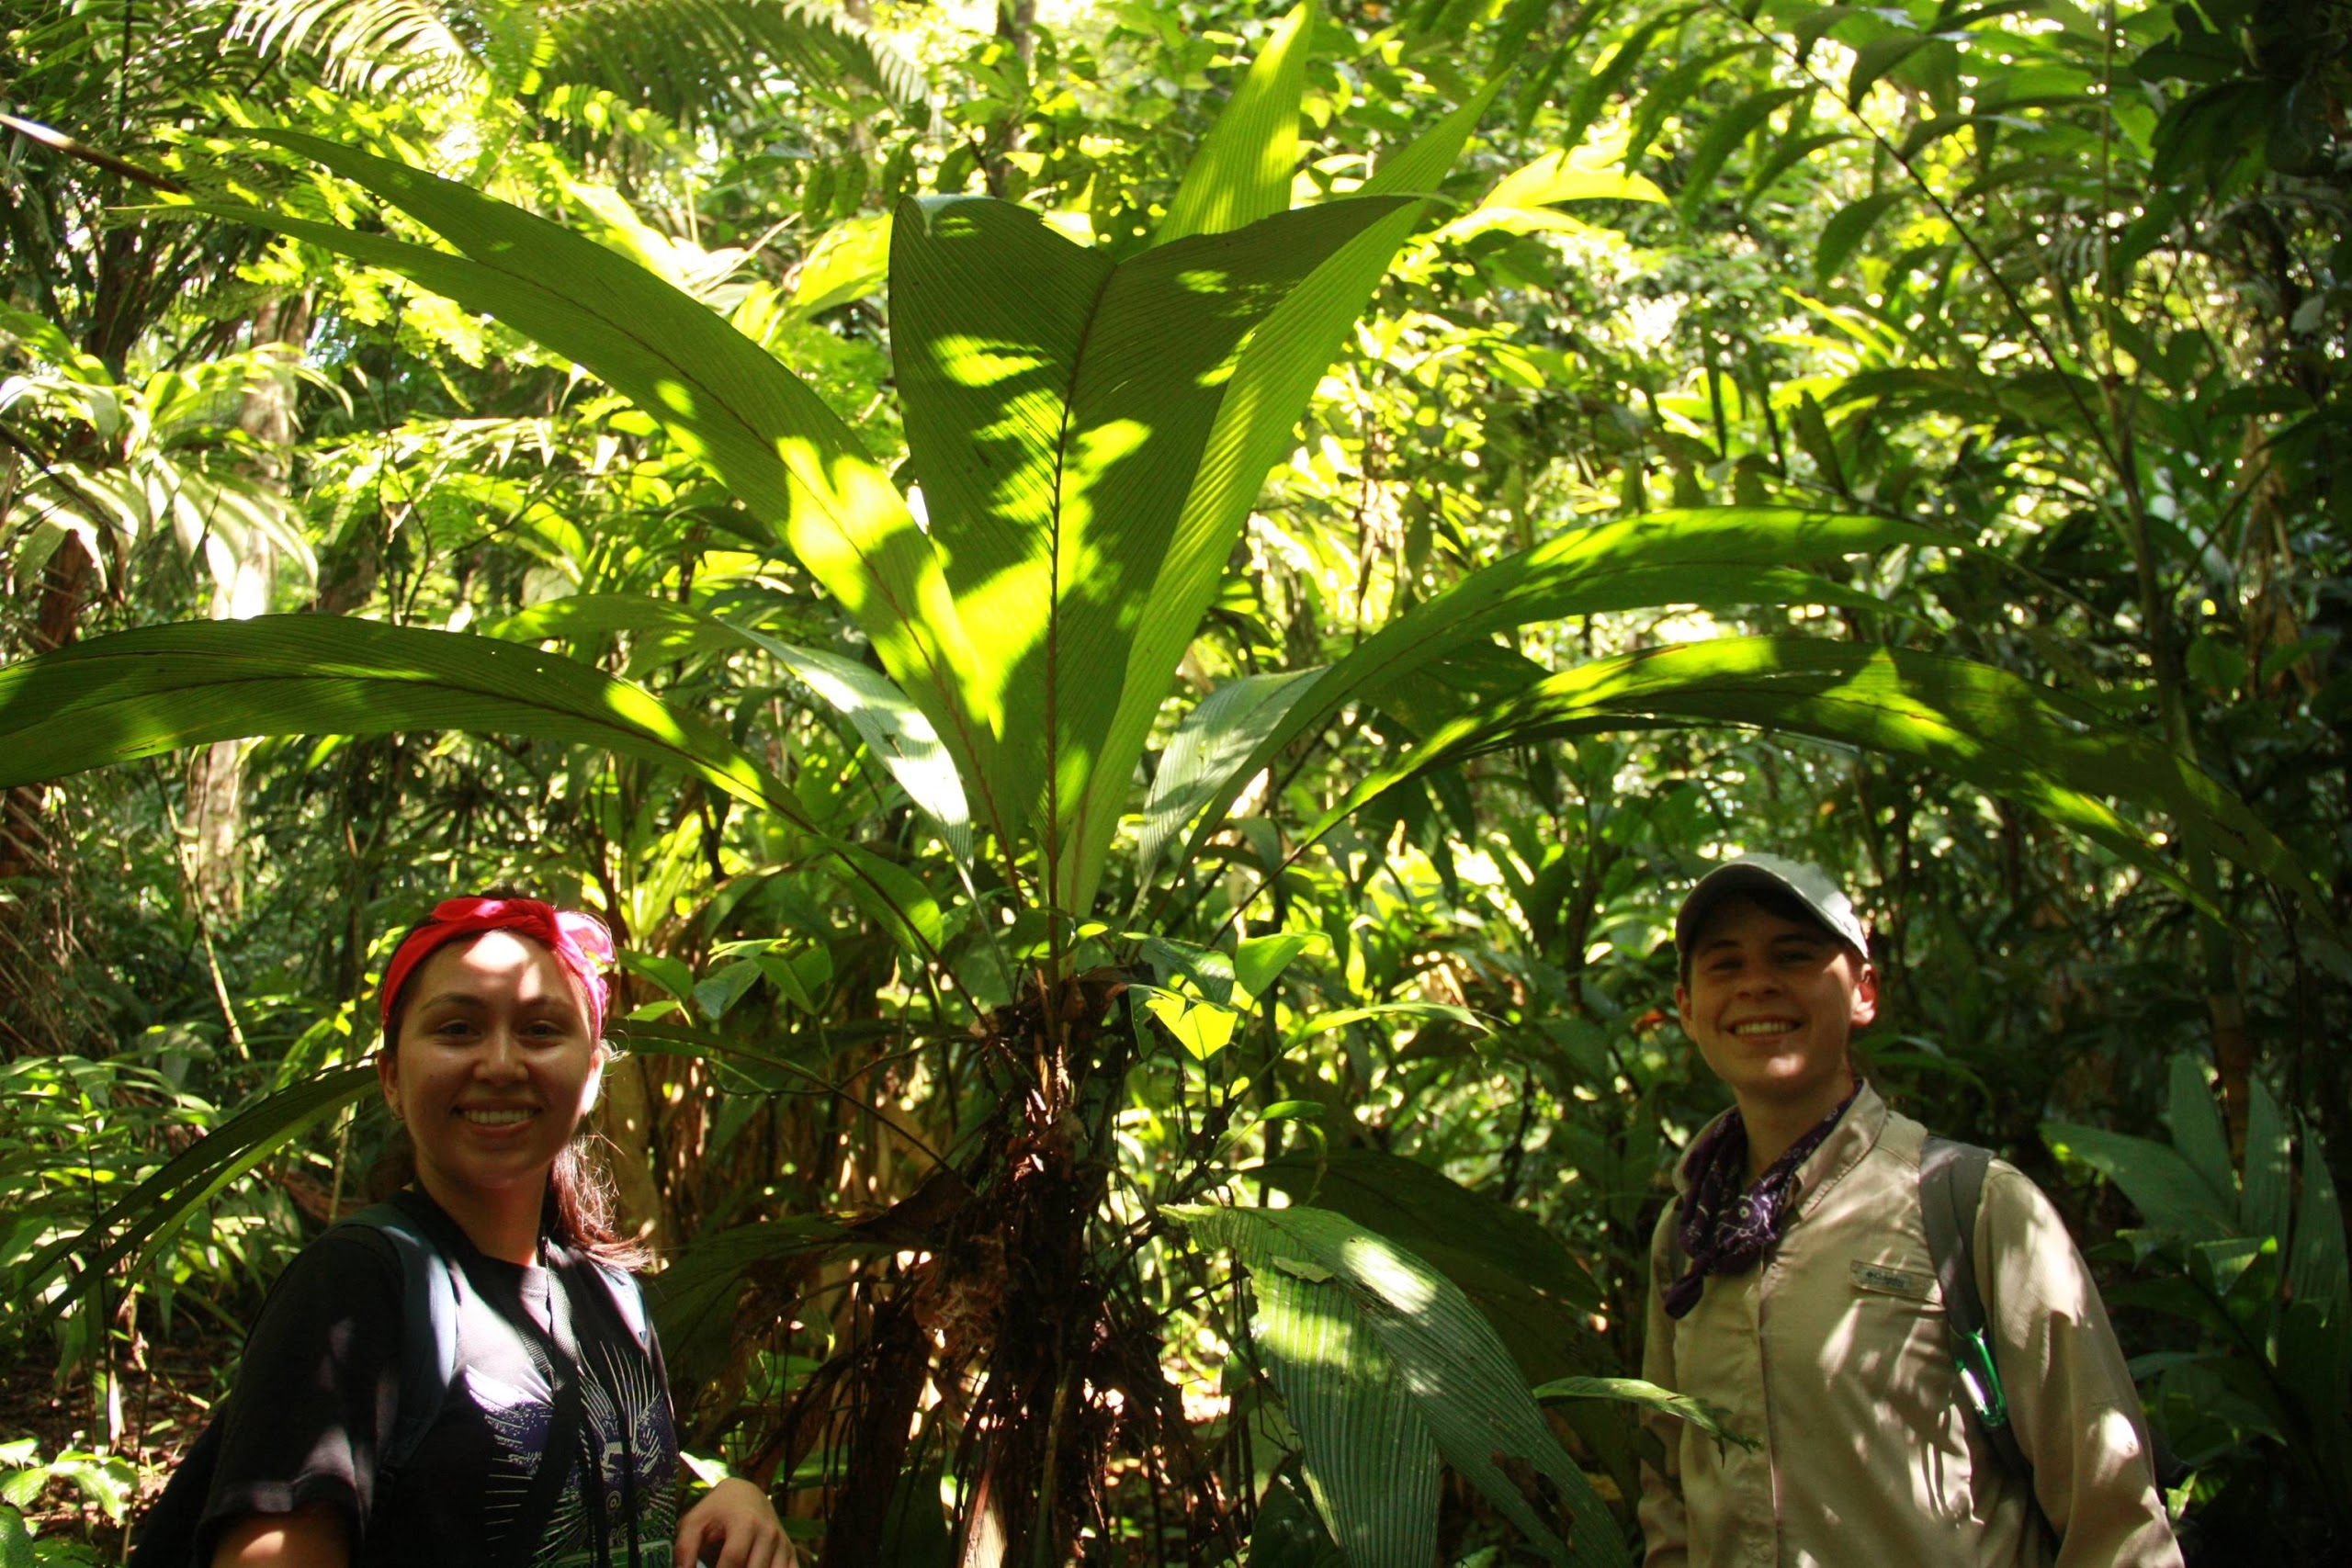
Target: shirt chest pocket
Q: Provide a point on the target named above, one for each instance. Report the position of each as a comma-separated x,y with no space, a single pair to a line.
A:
1892,1326
1903,1280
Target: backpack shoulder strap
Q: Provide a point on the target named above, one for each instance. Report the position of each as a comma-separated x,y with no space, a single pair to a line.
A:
628,1302
166,1536
429,1313
1951,1190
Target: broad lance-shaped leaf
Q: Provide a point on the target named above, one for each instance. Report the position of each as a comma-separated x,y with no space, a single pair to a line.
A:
1224,728
1976,723
1371,1463
1714,556
2319,1273
1229,724
896,730
1256,410
1460,1379
2198,1133
160,688
1059,410
2166,1190
767,435
1514,1271
2269,1182
1244,168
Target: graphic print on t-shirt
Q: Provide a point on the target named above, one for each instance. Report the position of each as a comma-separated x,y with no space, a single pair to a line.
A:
628,1421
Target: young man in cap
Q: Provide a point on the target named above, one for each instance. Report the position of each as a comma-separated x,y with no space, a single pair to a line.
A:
1793,1287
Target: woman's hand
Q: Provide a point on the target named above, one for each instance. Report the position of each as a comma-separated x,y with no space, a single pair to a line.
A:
738,1526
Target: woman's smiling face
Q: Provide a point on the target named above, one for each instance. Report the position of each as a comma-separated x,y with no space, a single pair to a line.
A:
1771,1003
493,1069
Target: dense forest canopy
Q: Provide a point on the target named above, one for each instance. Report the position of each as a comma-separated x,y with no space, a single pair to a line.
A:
1137,613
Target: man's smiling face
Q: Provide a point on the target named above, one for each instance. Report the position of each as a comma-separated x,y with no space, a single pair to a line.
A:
1771,1002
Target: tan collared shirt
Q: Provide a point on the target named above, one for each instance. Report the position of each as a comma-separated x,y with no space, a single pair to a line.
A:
1832,1354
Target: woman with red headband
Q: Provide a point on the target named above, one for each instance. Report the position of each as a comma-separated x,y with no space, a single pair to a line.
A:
552,1444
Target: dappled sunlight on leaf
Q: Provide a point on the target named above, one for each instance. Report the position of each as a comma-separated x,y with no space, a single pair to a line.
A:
1388,1328
1400,1284
977,362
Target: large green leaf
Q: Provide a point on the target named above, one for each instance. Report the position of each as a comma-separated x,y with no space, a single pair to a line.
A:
160,688
1222,728
991,312
2010,738
897,733
1514,1271
2269,1184
2315,1329
1649,1396
1369,1459
2166,1190
1717,556
1059,410
2198,1133
1421,165
2317,1271
1434,1343
1257,412
1243,170
773,441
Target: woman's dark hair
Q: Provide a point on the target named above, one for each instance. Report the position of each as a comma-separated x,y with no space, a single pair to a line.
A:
578,1209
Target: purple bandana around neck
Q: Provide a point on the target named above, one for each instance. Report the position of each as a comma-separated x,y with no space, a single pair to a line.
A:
1728,1226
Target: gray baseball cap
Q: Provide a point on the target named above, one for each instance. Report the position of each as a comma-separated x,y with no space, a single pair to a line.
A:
1808,884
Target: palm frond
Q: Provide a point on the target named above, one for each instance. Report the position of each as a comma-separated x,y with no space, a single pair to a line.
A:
365,45
684,58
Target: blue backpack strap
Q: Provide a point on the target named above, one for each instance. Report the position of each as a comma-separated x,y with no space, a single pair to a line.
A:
429,1304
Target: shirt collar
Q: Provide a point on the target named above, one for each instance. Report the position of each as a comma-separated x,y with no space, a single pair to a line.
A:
1856,1133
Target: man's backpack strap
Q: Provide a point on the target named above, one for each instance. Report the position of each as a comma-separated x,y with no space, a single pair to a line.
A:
1951,1190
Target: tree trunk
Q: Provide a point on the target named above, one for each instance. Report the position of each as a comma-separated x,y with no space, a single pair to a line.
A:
217,773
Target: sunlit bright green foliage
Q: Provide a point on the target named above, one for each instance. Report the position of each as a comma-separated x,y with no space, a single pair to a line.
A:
1136,612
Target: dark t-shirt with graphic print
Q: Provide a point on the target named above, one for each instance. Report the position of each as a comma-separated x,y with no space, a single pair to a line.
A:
315,1402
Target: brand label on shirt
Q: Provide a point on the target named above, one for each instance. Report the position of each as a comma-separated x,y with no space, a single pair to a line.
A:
1893,1281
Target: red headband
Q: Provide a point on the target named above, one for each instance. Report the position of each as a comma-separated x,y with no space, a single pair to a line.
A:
580,942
